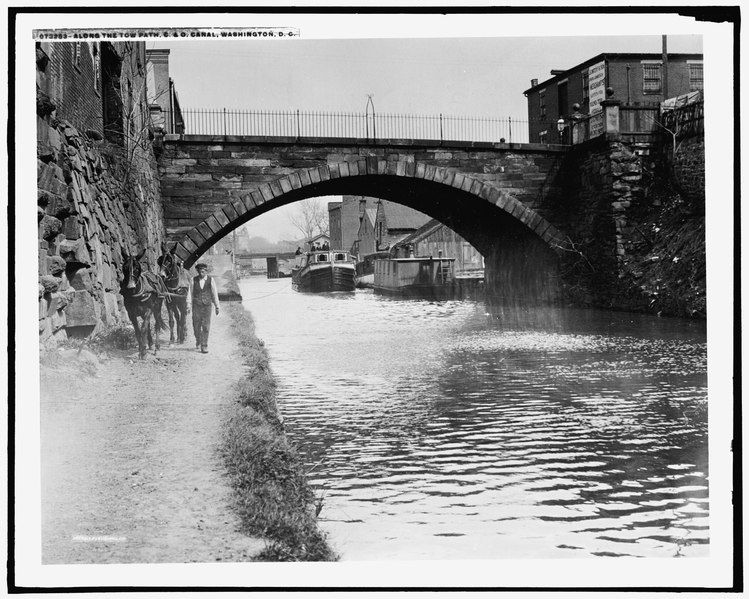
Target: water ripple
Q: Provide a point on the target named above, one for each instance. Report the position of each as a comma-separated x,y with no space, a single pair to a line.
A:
440,430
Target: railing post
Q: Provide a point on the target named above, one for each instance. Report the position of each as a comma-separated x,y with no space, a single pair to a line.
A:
509,127
298,130
611,118
441,138
224,122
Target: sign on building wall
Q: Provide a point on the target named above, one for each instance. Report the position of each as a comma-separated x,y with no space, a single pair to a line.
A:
596,86
596,95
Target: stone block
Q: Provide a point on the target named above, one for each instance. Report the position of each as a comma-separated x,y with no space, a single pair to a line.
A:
72,227
44,198
53,138
82,310
45,330
55,265
266,192
47,173
57,321
50,283
111,315
81,279
45,152
75,252
49,227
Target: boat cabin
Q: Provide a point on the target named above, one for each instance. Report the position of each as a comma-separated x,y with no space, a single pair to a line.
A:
323,257
401,273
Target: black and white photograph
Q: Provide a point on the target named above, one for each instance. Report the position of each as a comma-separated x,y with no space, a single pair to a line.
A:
374,299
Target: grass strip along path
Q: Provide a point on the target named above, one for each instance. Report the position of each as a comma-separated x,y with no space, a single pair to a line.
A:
271,493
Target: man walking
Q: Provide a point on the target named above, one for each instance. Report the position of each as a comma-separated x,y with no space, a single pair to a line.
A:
202,294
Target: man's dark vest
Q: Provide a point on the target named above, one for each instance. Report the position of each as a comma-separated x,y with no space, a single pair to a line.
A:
204,297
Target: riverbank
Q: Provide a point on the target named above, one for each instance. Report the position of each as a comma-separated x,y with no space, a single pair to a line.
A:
272,496
134,455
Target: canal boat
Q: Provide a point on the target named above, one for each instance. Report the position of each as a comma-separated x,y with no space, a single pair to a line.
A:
427,277
319,271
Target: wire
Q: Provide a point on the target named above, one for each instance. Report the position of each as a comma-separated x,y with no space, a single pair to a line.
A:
267,294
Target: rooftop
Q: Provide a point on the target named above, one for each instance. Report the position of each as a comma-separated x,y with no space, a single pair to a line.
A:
559,74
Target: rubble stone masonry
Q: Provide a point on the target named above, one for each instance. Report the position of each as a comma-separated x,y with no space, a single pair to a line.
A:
94,201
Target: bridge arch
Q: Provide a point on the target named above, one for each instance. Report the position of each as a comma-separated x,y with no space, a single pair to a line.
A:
484,210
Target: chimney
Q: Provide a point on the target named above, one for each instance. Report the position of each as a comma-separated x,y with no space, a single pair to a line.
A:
534,82
555,72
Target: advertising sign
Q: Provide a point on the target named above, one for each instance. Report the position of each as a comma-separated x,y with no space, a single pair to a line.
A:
596,86
596,124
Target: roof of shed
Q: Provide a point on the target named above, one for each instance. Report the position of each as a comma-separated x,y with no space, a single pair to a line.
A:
399,216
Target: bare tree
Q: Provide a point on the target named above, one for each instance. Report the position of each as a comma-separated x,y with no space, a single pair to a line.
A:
310,218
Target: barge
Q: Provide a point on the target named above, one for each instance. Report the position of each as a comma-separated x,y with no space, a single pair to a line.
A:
432,278
321,271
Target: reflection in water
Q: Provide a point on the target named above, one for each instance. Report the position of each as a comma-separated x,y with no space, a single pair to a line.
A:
439,430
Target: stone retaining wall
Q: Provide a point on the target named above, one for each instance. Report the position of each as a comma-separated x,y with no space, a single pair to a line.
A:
688,166
620,211
95,200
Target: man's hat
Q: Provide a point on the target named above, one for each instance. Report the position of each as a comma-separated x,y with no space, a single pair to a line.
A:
200,265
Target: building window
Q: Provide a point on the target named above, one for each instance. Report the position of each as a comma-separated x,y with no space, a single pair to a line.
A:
695,76
542,104
651,77
562,98
586,91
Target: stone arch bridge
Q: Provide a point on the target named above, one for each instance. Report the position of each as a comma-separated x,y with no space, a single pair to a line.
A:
505,199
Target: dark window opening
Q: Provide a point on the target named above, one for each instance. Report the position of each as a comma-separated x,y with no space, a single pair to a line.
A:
586,91
651,78
111,70
562,100
97,68
696,81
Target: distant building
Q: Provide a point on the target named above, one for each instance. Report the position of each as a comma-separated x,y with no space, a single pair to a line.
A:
435,239
636,79
366,242
345,220
393,222
318,242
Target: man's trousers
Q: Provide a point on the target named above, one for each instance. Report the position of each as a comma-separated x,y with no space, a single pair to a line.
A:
201,323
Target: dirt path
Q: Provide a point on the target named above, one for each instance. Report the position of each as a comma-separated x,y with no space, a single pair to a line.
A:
130,465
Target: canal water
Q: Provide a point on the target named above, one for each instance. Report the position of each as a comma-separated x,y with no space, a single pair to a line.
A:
447,430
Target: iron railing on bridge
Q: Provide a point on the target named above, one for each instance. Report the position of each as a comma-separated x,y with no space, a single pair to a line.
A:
298,123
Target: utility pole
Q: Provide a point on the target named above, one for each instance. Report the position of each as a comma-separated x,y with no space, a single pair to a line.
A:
665,69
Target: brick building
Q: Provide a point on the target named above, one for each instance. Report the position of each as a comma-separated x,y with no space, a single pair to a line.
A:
345,220
162,96
636,79
98,87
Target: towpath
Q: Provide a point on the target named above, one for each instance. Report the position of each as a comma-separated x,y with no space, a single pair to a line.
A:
131,471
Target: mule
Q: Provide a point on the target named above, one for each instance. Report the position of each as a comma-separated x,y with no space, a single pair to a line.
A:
143,294
177,283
